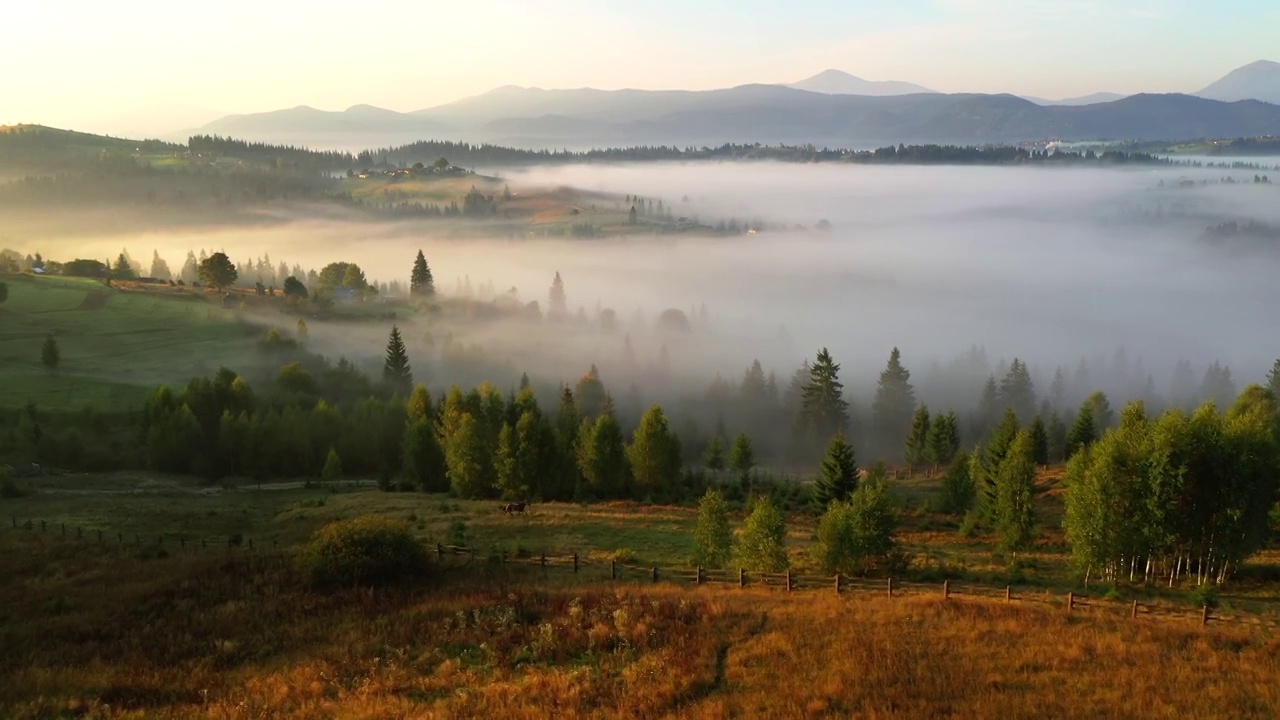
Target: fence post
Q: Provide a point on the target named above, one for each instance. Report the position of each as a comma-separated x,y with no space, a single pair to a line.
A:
439,550
544,559
575,562
655,573
64,528
203,544
182,543
120,538
1071,601
837,584
250,543
613,569
1134,613
788,581
890,588
1008,593
742,577
698,578
1204,615
42,528
946,589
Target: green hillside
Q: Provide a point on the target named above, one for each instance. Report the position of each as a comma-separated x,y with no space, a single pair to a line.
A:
115,344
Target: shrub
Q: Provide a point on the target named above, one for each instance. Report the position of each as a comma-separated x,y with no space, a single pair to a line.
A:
1204,595
857,536
364,552
712,535
762,546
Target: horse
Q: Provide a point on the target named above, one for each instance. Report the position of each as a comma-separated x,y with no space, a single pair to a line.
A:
512,508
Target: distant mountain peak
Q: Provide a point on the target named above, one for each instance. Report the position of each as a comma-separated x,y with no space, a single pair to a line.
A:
838,82
1259,80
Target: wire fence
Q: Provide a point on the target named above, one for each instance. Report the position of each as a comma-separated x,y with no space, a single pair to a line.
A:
268,553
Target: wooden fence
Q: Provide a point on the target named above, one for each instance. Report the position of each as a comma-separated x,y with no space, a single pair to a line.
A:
596,569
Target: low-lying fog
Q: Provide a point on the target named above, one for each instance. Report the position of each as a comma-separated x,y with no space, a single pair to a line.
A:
1047,264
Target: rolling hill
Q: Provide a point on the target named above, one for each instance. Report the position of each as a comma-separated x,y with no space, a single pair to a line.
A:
838,82
1256,81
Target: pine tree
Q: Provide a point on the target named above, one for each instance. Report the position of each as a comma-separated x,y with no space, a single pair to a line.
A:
1017,390
1057,440
958,491
396,373
894,403
602,457
1273,379
838,475
124,269
332,471
917,450
558,307
712,536
824,411
1103,415
421,282
655,455
988,406
762,544
944,439
422,461
1015,484
742,458
713,460
159,268
1083,432
1039,441
50,355
988,459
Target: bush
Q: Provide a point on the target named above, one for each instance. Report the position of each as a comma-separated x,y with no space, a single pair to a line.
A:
365,552
1204,595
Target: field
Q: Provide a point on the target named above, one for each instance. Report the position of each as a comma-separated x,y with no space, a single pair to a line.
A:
140,631
116,345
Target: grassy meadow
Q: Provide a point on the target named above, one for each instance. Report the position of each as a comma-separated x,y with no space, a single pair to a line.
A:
116,344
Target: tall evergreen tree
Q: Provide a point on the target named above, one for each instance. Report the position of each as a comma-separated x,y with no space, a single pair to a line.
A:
944,439
1083,432
824,411
1273,379
1103,415
958,491
917,450
892,408
421,282
655,455
742,458
1015,485
602,457
558,309
838,475
1039,441
988,406
1057,438
395,370
987,462
713,459
1017,390
423,460
124,270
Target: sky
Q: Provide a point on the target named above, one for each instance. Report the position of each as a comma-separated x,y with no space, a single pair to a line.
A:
103,66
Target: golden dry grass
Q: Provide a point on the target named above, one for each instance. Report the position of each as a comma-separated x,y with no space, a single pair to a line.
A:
111,633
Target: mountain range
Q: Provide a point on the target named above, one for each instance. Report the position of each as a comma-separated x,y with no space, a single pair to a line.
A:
831,108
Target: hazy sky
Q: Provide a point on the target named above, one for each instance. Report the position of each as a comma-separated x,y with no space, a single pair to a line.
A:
94,65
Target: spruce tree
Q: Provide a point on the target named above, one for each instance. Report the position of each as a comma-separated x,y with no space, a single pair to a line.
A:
944,439
558,308
655,455
713,460
1015,485
602,457
1039,441
838,475
1273,380
395,370
958,491
1017,390
992,454
421,283
1083,432
988,406
824,411
895,401
917,445
1103,415
423,459
1057,438
742,459
50,355
712,536
123,269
